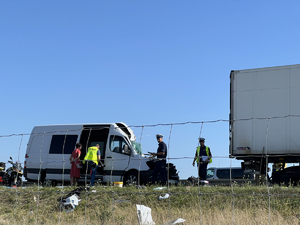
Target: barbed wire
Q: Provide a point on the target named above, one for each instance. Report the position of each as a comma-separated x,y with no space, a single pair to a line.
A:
158,124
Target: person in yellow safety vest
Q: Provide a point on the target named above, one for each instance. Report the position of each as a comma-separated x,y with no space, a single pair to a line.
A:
93,156
203,157
278,166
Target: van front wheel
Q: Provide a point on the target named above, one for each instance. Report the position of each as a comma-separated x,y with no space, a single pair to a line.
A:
131,178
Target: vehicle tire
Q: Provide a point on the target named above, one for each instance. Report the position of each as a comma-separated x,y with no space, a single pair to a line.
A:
19,182
131,178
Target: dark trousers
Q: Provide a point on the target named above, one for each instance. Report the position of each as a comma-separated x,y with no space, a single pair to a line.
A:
160,166
92,168
202,171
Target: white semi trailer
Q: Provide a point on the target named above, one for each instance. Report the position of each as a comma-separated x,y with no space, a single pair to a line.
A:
265,116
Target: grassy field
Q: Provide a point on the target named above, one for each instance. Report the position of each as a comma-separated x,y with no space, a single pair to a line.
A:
115,205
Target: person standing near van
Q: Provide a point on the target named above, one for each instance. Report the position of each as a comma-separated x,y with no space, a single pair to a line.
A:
93,156
203,157
74,160
160,165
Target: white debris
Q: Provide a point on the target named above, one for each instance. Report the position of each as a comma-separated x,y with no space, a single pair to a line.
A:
70,203
159,188
144,215
179,220
164,197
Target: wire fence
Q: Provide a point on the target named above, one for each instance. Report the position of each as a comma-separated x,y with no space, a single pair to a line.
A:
143,193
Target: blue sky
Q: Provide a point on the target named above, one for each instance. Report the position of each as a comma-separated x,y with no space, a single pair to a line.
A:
140,62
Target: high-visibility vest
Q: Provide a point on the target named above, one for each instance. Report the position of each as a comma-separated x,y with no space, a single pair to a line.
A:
91,155
207,153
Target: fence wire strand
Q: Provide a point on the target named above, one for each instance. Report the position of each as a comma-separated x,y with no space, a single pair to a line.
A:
115,192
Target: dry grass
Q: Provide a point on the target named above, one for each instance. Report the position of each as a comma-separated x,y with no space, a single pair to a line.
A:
118,205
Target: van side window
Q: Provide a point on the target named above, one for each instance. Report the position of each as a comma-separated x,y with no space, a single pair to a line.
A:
237,174
223,174
63,144
117,144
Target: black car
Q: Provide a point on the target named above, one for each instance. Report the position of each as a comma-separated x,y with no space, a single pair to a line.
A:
287,176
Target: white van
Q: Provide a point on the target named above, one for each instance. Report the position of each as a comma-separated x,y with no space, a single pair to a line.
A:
49,149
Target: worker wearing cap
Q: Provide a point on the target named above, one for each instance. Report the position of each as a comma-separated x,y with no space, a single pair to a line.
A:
203,157
160,165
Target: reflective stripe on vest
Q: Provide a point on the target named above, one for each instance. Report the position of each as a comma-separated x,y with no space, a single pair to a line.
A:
207,153
92,154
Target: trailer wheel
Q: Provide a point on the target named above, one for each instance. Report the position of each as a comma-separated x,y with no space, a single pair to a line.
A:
131,178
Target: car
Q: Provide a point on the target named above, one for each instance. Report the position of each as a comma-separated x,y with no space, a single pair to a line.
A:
221,176
286,176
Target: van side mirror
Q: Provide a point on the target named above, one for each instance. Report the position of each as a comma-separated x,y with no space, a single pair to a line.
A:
127,150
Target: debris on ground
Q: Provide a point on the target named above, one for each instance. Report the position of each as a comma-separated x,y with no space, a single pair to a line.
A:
71,200
70,203
144,215
179,220
164,197
159,188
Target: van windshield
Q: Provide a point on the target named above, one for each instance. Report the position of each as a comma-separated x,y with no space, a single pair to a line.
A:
210,173
137,147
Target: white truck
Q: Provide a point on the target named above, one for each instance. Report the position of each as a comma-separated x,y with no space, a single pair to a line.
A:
49,148
265,116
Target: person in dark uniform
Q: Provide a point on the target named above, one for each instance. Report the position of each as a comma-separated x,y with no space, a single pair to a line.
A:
160,165
203,157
